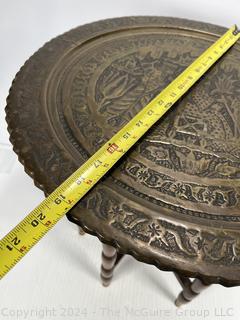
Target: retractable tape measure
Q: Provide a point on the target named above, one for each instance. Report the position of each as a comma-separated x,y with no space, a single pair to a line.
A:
38,222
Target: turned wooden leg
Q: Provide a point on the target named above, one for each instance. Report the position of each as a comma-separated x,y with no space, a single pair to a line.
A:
191,289
109,257
81,231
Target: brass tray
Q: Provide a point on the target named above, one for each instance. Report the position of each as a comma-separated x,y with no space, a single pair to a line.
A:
173,200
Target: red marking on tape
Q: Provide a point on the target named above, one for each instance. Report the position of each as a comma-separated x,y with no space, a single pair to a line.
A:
22,249
112,147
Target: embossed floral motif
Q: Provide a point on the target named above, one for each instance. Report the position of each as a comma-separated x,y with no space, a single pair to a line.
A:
209,195
179,188
154,229
142,174
224,85
116,210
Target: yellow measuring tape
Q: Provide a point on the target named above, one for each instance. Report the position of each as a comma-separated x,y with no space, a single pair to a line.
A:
38,222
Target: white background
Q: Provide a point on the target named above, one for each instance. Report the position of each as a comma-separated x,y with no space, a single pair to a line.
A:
60,274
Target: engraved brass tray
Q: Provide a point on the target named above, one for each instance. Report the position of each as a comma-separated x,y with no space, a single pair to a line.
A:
173,200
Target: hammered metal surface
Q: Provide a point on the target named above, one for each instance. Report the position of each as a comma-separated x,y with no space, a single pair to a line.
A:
173,200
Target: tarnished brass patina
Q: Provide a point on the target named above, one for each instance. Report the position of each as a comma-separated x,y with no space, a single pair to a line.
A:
173,200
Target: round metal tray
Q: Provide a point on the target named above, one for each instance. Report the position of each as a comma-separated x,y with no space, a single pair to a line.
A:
173,200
